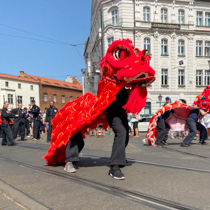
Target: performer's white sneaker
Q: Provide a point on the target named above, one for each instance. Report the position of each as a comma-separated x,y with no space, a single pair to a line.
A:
69,167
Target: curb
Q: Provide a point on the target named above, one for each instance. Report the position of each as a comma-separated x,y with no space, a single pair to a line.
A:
19,198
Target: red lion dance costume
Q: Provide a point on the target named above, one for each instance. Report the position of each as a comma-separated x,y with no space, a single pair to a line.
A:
123,65
181,109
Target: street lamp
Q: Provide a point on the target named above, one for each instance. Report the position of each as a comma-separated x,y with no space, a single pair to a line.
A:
160,99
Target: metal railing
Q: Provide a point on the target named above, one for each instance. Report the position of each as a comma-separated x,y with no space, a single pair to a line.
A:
112,22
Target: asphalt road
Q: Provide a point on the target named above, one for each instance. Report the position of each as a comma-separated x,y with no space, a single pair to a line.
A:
175,175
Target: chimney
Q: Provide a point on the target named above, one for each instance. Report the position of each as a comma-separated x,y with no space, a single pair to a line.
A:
22,74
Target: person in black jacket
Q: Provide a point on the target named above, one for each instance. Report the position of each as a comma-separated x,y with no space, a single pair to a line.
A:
19,122
26,118
35,110
7,132
50,114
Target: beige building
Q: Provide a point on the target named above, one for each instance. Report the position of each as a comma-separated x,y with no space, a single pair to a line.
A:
176,34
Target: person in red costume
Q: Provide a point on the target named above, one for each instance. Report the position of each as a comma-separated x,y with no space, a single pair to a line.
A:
126,74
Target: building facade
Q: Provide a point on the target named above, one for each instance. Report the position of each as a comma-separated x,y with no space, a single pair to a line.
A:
175,32
15,89
56,90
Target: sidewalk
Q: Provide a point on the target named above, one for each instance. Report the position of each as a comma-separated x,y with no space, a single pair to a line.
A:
13,199
7,203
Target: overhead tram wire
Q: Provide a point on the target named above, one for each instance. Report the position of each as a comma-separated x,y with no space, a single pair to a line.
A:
73,45
40,40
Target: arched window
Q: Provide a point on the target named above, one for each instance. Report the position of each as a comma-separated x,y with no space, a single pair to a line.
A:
164,15
146,14
181,16
147,44
115,17
164,47
181,47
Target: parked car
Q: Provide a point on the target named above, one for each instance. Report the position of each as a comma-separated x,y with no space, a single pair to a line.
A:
144,122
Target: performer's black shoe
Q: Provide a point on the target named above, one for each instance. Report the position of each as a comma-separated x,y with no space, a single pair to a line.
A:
13,144
203,142
164,142
116,173
158,145
184,145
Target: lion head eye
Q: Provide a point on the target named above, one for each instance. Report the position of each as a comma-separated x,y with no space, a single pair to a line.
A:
120,55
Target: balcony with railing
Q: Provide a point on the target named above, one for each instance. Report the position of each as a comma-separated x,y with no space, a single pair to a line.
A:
111,22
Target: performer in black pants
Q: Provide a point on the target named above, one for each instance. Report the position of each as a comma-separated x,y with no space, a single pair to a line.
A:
7,133
117,119
50,114
163,128
35,110
194,125
26,120
19,122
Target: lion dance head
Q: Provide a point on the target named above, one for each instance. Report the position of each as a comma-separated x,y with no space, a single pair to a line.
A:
203,100
126,64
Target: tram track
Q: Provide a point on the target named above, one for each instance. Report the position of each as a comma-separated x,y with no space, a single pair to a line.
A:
158,203
186,153
137,161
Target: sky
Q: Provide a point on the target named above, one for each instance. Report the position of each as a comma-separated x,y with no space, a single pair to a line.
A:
67,21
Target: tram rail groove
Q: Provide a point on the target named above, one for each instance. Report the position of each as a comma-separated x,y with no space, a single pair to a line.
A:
151,163
186,153
137,161
138,196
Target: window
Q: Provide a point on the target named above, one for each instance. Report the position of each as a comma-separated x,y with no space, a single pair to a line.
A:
164,15
31,99
199,48
115,17
164,80
181,77
199,77
57,84
164,47
146,14
207,77
207,49
199,18
63,99
20,99
47,82
45,97
55,98
70,98
32,87
10,98
181,17
6,84
110,40
19,86
147,108
147,44
180,47
207,19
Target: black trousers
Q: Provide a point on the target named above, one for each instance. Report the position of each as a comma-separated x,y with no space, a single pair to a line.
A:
119,125
7,135
195,126
36,128
19,127
163,129
27,128
49,131
74,147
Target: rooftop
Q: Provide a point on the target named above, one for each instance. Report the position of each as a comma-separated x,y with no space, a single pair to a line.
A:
8,76
57,83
